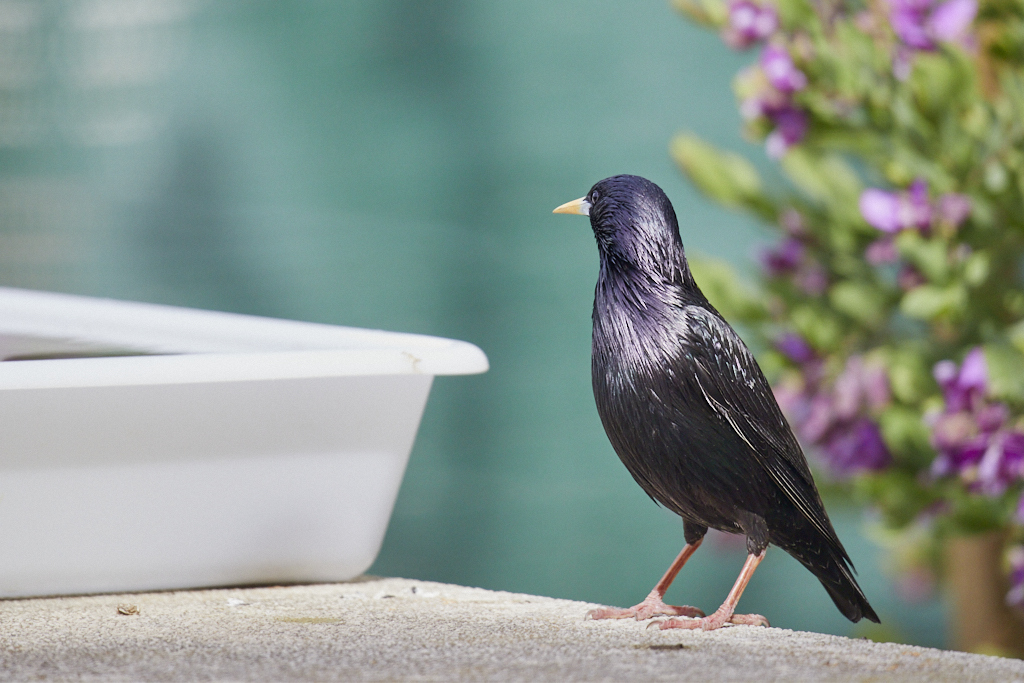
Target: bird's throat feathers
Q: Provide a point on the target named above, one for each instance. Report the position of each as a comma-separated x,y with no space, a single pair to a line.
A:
644,281
644,284
637,234
644,273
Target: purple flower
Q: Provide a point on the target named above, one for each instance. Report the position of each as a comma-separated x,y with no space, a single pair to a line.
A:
790,128
992,417
857,447
967,432
953,432
780,71
766,91
792,399
902,62
922,24
970,434
881,251
795,348
909,278
1002,463
792,221
974,371
836,418
749,23
916,584
847,393
908,18
813,280
918,211
1015,596
962,388
954,208
820,417
950,20
959,459
875,385
784,258
881,209
860,385
894,211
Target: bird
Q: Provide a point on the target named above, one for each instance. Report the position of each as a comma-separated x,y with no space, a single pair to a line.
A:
690,414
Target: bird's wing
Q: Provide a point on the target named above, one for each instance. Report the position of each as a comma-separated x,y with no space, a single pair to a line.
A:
736,390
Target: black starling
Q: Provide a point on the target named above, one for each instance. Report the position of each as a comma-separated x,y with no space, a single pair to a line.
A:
689,412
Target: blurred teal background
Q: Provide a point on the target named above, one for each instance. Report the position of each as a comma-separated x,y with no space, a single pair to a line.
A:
393,164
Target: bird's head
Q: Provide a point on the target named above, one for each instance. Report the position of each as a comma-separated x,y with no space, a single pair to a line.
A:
634,224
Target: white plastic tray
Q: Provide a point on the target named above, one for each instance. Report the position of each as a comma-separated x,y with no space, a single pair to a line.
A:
229,449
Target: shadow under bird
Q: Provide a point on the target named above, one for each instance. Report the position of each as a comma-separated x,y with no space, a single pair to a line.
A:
690,414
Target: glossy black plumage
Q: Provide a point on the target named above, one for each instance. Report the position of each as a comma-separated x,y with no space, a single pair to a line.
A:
686,406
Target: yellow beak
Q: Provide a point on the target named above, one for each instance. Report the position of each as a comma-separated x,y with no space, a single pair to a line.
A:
578,206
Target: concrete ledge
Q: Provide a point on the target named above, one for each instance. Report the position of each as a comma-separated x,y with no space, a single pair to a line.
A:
397,629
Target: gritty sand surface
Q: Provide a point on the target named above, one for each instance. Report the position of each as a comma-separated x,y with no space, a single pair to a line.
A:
402,630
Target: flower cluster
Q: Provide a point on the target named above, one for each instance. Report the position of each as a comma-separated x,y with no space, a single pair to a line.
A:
924,24
895,212
836,418
972,435
749,23
791,258
892,212
767,92
897,124
767,89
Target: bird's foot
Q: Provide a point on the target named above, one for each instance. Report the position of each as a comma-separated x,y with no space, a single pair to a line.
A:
749,620
651,606
716,621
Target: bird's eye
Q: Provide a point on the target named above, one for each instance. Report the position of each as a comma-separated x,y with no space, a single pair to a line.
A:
594,196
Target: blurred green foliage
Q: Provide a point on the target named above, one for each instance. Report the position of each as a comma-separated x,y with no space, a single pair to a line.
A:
898,197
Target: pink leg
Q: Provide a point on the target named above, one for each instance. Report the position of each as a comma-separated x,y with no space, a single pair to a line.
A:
653,604
725,613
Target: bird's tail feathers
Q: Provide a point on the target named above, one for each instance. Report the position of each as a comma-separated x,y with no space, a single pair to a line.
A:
824,556
830,563
845,592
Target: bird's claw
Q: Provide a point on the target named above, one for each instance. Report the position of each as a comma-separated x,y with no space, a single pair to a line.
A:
749,620
663,610
712,623
651,607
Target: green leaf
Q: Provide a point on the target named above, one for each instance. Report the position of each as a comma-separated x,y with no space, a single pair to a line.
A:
906,435
798,13
773,364
975,514
726,290
935,81
821,330
976,121
929,302
828,180
976,268
996,177
929,255
859,300
898,495
1016,332
713,13
909,378
726,177
1005,366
